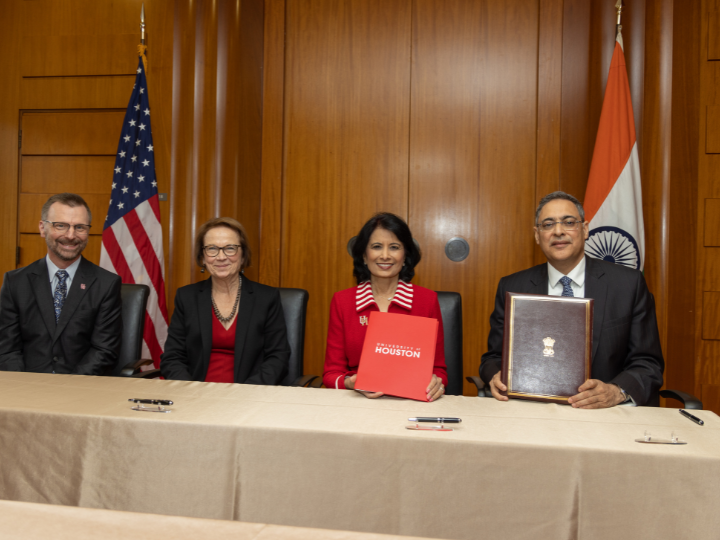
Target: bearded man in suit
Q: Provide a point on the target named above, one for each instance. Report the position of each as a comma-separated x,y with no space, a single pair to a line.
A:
627,361
62,313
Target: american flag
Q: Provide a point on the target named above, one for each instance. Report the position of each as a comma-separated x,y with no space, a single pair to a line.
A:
132,236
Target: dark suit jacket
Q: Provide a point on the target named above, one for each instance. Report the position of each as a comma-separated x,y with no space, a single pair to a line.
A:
626,344
261,346
86,339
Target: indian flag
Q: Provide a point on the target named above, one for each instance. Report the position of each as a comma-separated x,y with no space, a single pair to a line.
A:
613,200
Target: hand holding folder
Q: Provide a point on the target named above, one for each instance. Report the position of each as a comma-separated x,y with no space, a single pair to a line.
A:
398,355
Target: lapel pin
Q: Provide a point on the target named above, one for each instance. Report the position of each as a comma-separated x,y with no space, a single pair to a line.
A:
363,321
82,285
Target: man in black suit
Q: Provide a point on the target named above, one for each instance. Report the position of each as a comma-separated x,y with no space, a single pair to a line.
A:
627,361
61,314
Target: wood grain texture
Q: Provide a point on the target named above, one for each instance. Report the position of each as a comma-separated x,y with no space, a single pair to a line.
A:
181,271
683,200
71,132
216,124
56,174
711,315
707,369
712,144
711,397
89,92
711,223
713,41
9,126
347,103
549,101
707,353
272,143
576,134
464,151
656,153
241,161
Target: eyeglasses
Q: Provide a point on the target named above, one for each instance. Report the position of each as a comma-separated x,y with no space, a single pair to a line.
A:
59,226
566,224
214,251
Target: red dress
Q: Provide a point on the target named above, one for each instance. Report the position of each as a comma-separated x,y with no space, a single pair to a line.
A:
222,354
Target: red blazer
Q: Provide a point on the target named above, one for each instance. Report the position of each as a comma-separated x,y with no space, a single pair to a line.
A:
346,333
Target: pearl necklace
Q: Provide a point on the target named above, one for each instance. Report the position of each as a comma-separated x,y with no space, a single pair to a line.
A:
232,313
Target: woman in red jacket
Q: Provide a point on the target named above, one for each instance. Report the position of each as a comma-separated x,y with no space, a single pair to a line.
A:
384,258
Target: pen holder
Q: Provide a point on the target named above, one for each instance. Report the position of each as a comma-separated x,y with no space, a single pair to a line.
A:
649,439
418,427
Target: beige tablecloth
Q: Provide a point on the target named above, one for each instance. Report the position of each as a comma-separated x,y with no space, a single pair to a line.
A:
30,521
334,459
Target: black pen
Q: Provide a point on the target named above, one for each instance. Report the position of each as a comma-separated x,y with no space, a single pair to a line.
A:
436,420
691,417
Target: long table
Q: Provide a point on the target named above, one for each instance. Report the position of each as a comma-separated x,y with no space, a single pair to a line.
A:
335,460
31,521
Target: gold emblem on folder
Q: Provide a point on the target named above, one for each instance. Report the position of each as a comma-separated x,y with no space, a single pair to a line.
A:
548,350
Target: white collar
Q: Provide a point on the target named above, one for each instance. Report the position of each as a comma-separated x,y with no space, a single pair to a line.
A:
577,274
403,296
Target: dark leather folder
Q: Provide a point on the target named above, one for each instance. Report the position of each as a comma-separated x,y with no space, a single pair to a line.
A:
547,344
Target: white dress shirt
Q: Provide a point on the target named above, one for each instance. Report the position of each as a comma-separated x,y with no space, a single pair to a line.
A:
577,274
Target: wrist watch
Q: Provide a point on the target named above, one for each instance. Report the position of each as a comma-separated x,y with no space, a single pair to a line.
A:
625,395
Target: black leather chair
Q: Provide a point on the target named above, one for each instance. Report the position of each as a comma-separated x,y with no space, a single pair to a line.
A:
294,304
451,309
134,303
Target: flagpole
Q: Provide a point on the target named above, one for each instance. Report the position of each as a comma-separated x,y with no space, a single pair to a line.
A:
142,48
618,27
142,24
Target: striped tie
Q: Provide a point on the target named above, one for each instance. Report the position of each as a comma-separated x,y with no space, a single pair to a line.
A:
567,289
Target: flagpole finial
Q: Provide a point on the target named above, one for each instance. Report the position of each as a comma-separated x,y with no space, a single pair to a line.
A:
142,24
619,7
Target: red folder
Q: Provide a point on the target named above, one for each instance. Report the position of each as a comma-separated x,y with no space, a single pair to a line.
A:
398,355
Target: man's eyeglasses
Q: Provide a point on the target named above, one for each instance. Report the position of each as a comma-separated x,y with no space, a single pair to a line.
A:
214,251
59,226
566,224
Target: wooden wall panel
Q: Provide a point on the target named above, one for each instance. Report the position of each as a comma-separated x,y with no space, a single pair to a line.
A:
216,122
55,174
713,46
711,396
683,198
9,124
71,132
240,122
464,158
76,92
711,223
272,143
347,103
576,144
707,352
711,315
549,101
50,56
712,143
